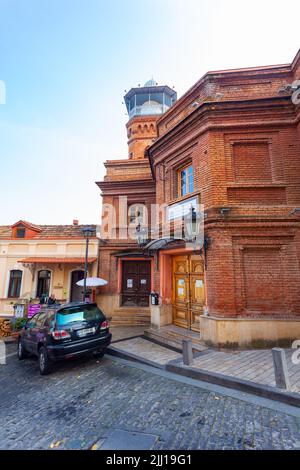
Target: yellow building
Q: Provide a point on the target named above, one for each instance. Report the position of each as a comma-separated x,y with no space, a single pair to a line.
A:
39,260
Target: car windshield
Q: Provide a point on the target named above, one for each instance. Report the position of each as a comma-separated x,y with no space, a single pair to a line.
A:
78,314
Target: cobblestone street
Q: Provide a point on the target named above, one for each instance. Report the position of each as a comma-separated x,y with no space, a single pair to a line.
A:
83,402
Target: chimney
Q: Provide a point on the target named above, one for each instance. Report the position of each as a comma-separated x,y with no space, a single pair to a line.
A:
75,222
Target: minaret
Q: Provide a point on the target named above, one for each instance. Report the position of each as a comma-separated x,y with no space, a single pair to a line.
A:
145,105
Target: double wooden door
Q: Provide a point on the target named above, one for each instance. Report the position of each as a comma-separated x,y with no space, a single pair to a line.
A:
188,291
136,283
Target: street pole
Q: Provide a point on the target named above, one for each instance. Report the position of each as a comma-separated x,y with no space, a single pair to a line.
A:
85,267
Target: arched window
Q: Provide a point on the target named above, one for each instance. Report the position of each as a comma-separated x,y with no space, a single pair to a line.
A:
14,286
43,284
136,213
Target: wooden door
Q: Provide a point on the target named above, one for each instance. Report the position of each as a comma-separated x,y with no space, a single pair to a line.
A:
136,283
188,291
197,292
181,294
76,291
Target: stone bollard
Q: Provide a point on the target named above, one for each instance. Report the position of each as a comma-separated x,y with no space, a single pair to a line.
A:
280,368
2,352
187,352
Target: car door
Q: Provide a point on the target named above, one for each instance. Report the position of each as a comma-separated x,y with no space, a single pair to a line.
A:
37,333
47,326
29,333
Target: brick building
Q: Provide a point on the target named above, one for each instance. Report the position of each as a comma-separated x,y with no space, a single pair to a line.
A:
232,143
40,260
128,187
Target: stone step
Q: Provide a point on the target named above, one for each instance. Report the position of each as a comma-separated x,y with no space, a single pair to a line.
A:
134,316
174,339
178,333
131,319
145,324
132,311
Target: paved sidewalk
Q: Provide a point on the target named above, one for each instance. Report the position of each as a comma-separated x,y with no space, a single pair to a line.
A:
253,365
145,351
123,332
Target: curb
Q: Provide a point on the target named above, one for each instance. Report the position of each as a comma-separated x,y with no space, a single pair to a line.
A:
133,357
9,340
265,391
160,343
125,339
175,366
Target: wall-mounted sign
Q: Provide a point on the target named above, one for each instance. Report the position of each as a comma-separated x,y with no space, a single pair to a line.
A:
19,310
33,309
181,209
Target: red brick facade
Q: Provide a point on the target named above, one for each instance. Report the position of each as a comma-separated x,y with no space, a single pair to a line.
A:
240,131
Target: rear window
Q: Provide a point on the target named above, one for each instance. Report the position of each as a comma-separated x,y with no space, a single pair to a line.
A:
78,314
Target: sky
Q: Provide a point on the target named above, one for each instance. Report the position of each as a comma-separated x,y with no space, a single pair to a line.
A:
64,66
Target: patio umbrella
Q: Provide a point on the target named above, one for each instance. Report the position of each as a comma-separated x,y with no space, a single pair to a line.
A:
92,282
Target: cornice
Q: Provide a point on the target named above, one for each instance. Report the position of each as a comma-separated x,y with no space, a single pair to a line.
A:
144,186
276,111
263,72
126,162
143,118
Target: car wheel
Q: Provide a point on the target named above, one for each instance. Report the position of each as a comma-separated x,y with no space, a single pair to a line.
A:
45,363
99,354
22,353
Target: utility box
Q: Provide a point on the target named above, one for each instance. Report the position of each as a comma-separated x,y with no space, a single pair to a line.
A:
154,297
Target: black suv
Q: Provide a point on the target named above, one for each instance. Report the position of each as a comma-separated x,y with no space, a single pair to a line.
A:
65,331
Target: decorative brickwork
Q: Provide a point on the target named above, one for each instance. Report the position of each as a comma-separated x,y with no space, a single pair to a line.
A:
241,132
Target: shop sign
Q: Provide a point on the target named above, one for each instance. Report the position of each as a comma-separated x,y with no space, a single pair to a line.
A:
33,309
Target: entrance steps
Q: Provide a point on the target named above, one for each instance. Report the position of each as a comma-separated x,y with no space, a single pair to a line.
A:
131,316
172,335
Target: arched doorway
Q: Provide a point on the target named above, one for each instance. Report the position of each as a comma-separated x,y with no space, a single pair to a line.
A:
76,291
43,283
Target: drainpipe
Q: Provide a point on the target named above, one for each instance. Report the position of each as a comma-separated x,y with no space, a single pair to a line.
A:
98,258
148,155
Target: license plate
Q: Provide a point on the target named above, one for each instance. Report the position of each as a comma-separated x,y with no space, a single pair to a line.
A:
85,332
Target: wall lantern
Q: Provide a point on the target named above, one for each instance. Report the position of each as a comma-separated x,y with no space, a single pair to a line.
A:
192,226
141,235
193,232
